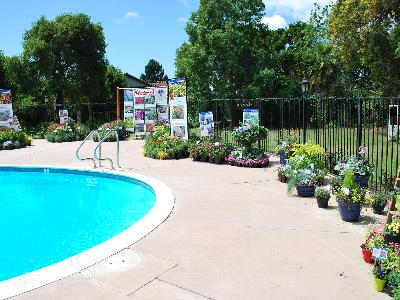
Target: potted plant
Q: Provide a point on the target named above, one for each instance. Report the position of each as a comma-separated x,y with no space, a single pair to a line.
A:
285,145
323,195
360,166
392,231
374,237
349,197
366,253
282,173
379,278
377,200
303,182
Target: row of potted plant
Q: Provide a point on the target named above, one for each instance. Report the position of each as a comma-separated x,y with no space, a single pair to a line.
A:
68,132
209,150
104,129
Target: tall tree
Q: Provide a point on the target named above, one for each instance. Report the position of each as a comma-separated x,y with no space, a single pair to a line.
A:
220,57
68,53
114,78
366,38
153,72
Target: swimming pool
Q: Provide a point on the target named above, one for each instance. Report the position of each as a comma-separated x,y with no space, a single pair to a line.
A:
49,215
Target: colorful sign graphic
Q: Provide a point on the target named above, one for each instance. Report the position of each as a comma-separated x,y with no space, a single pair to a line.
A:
206,120
178,107
251,116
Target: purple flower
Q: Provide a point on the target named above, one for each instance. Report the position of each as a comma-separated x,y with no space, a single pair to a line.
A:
362,150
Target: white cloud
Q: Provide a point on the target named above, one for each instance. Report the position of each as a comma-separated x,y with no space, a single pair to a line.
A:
184,2
274,22
182,19
131,14
293,9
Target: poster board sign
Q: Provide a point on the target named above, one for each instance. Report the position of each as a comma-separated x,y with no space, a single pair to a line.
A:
161,95
206,120
63,114
128,110
6,112
178,108
251,116
144,110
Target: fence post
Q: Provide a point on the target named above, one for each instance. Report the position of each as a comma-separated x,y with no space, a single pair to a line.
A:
304,118
359,122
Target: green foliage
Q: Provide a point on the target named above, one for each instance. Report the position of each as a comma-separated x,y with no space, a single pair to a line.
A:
307,156
68,54
300,178
347,189
68,132
153,72
377,198
394,279
286,141
207,147
247,136
161,145
114,78
105,128
10,139
322,193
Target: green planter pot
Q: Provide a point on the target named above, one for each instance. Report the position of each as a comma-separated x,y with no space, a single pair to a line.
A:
379,284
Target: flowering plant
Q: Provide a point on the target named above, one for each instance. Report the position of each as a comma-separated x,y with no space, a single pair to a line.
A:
301,177
286,141
359,164
323,192
347,190
379,273
374,237
377,198
393,228
248,135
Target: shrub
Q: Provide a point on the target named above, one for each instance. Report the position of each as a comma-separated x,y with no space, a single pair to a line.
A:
69,132
161,145
104,129
10,139
322,193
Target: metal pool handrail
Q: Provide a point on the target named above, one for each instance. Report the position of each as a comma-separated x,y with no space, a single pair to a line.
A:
109,133
93,132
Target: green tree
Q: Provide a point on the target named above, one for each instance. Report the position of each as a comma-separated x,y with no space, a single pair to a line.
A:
366,39
68,53
220,58
3,82
153,72
114,78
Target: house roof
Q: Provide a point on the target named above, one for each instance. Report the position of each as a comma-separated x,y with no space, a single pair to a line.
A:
135,82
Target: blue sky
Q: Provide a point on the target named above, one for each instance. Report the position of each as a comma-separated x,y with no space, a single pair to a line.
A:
135,30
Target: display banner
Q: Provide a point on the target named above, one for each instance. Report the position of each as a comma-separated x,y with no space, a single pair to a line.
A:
178,108
144,110
6,112
128,110
251,116
162,105
206,120
63,114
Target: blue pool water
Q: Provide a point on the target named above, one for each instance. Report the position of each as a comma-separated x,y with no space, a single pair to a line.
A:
46,217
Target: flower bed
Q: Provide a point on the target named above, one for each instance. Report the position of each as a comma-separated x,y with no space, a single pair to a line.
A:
259,162
10,139
161,145
209,150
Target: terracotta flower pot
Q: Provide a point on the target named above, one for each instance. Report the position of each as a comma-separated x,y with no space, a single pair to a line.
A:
367,256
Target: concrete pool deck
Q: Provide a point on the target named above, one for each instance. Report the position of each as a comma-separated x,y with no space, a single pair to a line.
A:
234,234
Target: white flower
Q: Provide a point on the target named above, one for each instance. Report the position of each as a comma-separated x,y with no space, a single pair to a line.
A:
301,157
312,166
216,144
7,143
328,187
198,142
307,171
346,191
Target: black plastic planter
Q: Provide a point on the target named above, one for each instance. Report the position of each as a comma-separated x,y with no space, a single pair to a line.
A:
378,209
323,203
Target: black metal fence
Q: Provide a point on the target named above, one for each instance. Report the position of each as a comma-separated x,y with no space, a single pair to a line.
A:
340,125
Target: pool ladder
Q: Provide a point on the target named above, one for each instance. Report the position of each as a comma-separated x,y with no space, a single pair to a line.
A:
100,140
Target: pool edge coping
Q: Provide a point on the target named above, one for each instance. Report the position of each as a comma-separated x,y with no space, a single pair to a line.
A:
163,206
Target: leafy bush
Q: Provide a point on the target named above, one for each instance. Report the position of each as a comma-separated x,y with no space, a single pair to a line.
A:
359,164
68,132
247,136
378,198
161,145
209,148
322,193
10,139
286,141
104,129
307,156
347,189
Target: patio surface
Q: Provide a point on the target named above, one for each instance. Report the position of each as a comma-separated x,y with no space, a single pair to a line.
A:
234,233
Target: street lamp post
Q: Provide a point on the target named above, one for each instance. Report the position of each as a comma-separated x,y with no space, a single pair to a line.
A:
305,88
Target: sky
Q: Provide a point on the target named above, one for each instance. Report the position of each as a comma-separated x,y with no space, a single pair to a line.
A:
135,30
